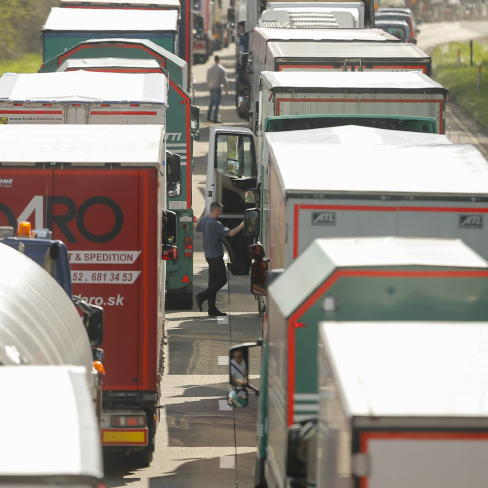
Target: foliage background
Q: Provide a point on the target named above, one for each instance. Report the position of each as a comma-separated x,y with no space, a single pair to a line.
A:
20,23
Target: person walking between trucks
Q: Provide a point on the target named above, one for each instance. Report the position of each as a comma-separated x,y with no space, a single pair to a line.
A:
216,79
213,235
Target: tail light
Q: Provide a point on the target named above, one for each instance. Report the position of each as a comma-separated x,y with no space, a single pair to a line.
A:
128,421
170,253
188,245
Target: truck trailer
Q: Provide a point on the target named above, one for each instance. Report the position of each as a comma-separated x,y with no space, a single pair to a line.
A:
257,46
338,56
241,181
66,27
179,140
185,23
350,279
57,443
85,97
396,410
307,100
102,190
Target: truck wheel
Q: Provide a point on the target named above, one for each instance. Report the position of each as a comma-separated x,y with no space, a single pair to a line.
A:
142,458
180,301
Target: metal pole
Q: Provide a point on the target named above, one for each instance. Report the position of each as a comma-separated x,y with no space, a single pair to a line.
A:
471,62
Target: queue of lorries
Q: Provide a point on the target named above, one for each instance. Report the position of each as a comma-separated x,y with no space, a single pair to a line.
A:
364,238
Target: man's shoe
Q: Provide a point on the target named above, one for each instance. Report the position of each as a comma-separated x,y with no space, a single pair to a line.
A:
217,313
199,301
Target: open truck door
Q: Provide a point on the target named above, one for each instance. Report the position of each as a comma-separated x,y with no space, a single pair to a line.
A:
232,180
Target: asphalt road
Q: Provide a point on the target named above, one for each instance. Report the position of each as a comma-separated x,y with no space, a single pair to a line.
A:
200,441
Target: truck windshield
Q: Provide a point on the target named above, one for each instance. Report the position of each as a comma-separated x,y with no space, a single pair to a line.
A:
410,124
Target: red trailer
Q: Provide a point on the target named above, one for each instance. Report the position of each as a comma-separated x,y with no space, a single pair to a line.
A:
104,197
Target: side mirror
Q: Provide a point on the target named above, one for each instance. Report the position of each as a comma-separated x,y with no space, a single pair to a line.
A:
173,167
94,326
251,222
301,449
169,228
238,398
195,123
92,320
239,366
259,277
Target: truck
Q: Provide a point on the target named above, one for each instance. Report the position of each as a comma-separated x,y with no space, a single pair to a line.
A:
101,189
257,46
66,27
343,280
32,331
185,22
119,47
290,100
58,442
258,190
429,429
179,140
105,97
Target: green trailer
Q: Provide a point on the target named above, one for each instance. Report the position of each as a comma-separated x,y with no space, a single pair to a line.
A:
353,279
66,27
132,56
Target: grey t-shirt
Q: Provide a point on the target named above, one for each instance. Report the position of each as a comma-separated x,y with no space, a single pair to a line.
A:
213,234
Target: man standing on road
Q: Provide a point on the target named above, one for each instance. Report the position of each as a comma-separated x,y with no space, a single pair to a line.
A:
216,79
213,235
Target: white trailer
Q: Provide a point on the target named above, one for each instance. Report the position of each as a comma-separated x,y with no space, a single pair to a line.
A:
234,173
371,190
50,434
402,404
317,99
83,97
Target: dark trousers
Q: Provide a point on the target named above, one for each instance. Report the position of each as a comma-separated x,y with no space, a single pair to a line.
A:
213,107
217,278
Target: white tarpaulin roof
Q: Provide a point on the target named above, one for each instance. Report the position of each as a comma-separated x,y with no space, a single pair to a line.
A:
323,80
126,3
91,63
48,423
111,20
324,256
356,135
129,145
410,369
445,169
84,86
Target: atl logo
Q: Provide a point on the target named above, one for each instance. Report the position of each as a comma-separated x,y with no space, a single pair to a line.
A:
323,218
471,221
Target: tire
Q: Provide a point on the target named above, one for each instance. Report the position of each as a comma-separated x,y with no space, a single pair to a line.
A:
180,301
142,458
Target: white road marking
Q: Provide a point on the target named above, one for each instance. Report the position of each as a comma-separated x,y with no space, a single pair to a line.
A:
223,320
223,360
224,406
227,462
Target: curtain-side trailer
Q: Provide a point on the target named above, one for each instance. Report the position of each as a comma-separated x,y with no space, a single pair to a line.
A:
338,56
259,38
290,100
102,190
402,404
179,272
347,279
104,97
240,181
66,27
185,22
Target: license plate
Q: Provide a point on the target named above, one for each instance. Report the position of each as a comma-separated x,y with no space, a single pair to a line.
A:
124,437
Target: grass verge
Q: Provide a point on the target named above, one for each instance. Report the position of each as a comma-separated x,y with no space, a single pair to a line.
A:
29,63
451,67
